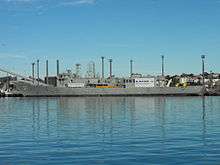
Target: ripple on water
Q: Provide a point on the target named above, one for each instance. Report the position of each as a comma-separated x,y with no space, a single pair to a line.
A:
121,130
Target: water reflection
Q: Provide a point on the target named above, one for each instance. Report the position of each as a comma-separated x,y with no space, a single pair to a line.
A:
104,116
110,128
204,120
160,109
108,117
203,109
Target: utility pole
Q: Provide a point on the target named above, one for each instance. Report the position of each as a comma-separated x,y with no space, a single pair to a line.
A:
33,71
110,65
203,72
58,68
93,70
103,67
162,65
131,68
47,71
38,72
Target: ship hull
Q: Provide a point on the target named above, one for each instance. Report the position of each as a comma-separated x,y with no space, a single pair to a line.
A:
30,90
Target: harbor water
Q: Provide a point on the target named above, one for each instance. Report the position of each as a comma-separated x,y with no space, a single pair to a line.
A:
110,130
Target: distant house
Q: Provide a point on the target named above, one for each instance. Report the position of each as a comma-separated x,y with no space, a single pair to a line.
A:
193,80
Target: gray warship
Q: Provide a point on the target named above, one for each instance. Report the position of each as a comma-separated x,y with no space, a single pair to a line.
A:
26,89
72,84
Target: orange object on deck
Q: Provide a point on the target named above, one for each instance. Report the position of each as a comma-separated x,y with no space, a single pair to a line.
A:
105,86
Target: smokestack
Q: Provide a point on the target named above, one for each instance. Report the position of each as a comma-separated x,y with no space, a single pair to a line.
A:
38,72
131,67
58,68
33,71
93,70
103,67
162,65
110,69
46,71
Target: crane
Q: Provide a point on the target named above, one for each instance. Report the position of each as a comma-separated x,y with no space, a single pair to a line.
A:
15,74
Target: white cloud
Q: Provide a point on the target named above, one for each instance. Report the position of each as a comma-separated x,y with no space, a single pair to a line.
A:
77,2
12,56
40,6
51,2
19,1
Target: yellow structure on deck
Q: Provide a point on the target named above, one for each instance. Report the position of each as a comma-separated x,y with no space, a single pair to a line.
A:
105,86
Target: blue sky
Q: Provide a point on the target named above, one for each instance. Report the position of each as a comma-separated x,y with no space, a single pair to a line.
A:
78,31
